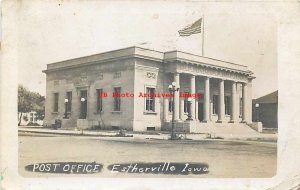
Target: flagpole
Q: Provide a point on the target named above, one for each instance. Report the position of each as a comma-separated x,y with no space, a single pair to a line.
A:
203,35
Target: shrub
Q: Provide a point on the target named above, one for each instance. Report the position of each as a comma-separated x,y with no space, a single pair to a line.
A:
25,117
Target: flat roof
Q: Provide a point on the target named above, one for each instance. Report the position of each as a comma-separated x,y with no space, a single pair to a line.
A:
139,52
270,98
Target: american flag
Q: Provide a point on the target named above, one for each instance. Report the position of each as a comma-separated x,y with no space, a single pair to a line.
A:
191,29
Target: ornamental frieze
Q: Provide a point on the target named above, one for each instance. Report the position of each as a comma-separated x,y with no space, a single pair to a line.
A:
210,72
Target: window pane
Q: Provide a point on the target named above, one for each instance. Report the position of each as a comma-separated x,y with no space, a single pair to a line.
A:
55,107
99,99
117,100
150,99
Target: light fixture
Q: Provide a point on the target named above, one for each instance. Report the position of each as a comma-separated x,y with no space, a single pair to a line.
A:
66,100
173,84
82,99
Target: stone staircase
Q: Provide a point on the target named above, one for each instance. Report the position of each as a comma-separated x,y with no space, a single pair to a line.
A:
234,129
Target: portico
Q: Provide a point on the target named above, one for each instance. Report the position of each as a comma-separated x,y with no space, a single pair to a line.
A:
225,89
234,107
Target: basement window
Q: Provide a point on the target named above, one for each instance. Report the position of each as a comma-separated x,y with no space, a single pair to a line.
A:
150,128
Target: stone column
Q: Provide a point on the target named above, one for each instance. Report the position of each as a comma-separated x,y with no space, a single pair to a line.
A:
166,109
176,97
193,101
244,96
206,109
233,116
249,101
238,102
221,102
196,111
181,115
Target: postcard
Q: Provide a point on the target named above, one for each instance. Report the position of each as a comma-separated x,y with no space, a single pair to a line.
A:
149,95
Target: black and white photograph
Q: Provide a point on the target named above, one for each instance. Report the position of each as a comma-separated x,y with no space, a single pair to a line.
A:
148,90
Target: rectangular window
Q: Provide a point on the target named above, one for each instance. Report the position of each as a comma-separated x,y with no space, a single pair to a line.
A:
117,99
150,99
99,100
69,104
227,105
55,106
117,75
215,104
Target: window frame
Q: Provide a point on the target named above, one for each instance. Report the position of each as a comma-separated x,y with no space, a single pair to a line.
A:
99,107
69,104
150,101
55,102
117,100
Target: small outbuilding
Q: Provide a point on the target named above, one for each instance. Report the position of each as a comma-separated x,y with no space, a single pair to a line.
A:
265,110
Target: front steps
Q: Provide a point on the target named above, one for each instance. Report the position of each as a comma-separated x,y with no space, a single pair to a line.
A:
228,129
223,128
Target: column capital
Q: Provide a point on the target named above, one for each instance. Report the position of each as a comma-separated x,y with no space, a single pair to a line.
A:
240,82
244,83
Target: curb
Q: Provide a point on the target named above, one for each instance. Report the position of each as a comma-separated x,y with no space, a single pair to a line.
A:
65,133
252,139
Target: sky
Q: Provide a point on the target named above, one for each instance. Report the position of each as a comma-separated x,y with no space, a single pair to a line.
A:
59,30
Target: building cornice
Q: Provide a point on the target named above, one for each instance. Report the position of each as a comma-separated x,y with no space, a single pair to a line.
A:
147,54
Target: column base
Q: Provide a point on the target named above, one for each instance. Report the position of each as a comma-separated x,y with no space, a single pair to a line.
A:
232,121
244,121
178,120
219,121
205,121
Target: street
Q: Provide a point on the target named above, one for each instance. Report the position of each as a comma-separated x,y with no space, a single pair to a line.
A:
225,159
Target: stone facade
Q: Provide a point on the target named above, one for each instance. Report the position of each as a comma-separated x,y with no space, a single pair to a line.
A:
225,90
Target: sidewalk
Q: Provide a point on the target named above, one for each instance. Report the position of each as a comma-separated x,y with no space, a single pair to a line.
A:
162,135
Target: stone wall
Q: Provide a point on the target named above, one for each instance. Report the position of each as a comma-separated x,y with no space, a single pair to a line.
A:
90,78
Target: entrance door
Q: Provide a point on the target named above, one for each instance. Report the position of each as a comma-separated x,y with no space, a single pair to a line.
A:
200,111
83,104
